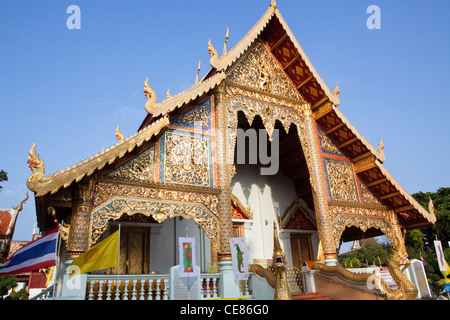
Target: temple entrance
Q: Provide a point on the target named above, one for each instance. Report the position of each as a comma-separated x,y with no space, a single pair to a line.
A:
301,249
134,250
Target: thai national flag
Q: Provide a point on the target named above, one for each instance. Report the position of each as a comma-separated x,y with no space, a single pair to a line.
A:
423,260
38,254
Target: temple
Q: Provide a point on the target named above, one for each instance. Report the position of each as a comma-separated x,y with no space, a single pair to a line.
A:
258,139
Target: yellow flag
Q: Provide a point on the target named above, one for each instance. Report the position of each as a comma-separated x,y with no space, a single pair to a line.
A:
101,256
446,273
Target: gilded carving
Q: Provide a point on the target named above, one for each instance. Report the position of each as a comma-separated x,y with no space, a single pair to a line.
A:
198,117
341,181
139,169
328,146
367,196
113,200
187,159
258,69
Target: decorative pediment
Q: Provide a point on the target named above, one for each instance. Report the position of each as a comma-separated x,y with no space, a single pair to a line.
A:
139,169
258,70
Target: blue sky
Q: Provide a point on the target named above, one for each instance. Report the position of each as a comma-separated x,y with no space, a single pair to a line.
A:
69,89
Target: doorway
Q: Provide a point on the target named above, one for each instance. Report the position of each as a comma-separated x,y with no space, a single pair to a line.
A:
134,250
301,249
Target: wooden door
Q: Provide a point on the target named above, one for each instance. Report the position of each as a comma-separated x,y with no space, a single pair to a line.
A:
134,250
301,249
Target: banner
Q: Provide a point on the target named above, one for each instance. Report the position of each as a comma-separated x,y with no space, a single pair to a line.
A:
440,256
37,254
186,249
239,257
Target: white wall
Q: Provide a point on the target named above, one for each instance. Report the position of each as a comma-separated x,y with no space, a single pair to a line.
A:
266,196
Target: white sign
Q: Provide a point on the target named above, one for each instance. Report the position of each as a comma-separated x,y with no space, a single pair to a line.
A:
239,257
186,249
440,255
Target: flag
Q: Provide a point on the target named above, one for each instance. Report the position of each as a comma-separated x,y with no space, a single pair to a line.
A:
104,254
423,260
38,254
446,273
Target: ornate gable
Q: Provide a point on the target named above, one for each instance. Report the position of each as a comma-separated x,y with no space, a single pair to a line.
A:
257,69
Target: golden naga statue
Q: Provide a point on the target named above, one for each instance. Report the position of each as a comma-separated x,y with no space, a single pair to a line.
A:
37,168
397,259
151,97
214,55
282,291
278,278
397,262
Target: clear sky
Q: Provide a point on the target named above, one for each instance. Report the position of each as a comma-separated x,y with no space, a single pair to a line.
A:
69,89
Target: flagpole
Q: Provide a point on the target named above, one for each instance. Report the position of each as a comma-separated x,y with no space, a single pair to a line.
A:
58,251
118,262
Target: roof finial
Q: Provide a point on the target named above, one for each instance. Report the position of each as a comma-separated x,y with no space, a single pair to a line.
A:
168,95
151,97
226,40
198,70
336,90
381,146
119,134
273,3
214,55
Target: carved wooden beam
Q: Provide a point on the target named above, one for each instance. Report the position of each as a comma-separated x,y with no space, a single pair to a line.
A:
279,42
304,82
335,128
362,156
348,142
374,183
294,60
319,103
405,208
390,195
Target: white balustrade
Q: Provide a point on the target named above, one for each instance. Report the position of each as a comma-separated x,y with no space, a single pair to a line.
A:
144,287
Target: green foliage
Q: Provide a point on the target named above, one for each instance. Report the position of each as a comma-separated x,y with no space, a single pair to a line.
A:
370,251
441,231
441,201
7,283
3,177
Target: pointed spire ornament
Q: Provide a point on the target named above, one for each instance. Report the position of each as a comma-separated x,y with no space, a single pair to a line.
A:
381,146
226,40
431,206
336,91
198,70
119,135
168,95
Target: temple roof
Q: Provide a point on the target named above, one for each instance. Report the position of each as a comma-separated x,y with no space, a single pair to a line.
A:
278,38
65,177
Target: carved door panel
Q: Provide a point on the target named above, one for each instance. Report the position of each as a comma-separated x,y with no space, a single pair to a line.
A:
301,249
134,250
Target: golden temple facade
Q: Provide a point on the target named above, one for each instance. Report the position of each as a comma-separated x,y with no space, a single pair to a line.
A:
182,164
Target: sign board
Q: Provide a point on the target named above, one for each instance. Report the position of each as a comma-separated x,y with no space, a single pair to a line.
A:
440,256
186,250
239,258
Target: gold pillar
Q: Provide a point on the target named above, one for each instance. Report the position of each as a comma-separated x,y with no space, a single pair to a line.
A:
317,179
82,204
224,206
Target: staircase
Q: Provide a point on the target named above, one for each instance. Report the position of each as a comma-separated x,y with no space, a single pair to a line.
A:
309,296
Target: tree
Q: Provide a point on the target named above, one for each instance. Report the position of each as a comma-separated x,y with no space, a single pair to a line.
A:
7,283
370,251
441,229
3,177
